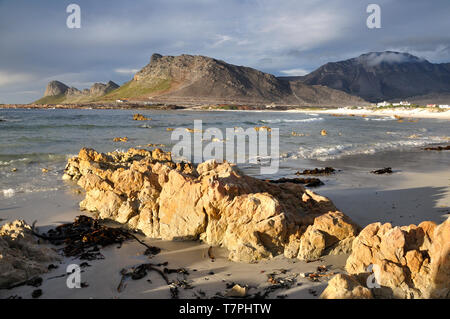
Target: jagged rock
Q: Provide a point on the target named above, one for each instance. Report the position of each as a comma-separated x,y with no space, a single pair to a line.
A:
72,94
344,286
140,117
331,233
72,91
21,257
99,89
317,171
252,218
55,88
410,261
387,170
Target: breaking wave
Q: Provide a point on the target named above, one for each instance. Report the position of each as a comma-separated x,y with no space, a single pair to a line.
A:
340,150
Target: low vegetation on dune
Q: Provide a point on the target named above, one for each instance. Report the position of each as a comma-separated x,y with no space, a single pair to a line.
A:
51,99
136,89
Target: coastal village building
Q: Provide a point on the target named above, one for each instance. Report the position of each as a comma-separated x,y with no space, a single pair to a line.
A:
381,104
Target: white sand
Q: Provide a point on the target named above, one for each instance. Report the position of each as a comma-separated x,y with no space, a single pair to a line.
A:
403,112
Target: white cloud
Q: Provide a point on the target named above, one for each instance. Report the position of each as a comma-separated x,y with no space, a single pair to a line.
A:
7,78
221,39
295,72
126,71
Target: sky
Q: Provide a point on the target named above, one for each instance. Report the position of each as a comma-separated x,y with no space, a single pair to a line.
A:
282,37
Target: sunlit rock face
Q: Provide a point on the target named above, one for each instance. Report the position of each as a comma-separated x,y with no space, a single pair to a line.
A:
214,202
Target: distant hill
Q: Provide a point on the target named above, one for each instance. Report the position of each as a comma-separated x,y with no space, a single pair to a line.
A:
188,78
57,92
382,76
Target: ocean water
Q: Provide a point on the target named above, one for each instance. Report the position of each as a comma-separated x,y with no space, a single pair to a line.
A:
31,140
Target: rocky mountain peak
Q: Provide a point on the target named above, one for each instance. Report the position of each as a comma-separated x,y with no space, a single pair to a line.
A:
388,57
155,57
380,76
98,89
55,88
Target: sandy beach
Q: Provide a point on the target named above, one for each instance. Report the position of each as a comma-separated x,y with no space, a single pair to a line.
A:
414,193
403,112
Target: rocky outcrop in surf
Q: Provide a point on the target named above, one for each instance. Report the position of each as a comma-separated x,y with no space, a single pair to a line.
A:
213,202
406,262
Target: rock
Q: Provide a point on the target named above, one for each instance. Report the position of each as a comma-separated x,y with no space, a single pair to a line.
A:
343,286
44,170
387,170
324,133
99,89
237,291
21,257
213,202
120,139
55,88
438,148
140,117
330,233
317,171
308,182
262,128
411,261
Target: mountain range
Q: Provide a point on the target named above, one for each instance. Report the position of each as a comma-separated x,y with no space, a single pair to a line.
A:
58,92
380,76
198,79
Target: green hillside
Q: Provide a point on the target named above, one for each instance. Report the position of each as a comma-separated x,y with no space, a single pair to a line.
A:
135,89
56,99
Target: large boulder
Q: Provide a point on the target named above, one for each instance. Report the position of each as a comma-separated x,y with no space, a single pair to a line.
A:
343,286
21,256
214,202
407,262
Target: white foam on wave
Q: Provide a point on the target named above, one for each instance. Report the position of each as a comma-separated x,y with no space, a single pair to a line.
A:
7,163
8,192
324,153
312,119
382,119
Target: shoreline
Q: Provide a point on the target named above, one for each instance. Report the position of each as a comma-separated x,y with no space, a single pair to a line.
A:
412,113
337,111
402,198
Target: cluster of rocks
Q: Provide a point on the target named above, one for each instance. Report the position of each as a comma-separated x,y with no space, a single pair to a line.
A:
21,256
403,262
140,117
213,202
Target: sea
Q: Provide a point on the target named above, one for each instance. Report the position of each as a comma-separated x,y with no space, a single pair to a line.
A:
35,139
